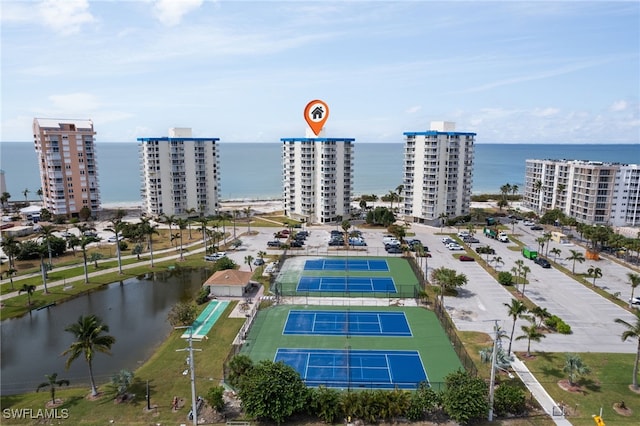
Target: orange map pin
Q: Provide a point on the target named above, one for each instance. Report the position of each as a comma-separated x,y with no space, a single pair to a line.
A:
316,113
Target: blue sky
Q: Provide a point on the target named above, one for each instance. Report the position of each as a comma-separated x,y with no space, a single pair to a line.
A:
513,72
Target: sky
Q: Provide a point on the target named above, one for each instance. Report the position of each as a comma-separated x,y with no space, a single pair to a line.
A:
243,71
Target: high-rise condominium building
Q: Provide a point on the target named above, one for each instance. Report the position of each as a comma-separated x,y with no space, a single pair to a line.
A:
592,192
438,173
179,174
317,178
67,162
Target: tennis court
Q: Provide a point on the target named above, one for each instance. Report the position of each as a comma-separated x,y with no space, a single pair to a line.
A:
345,368
340,323
342,284
377,265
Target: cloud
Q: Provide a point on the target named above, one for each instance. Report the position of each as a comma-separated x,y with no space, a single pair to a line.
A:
414,109
170,12
75,102
65,17
545,112
619,105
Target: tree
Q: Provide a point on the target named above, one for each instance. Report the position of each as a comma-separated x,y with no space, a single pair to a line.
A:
181,314
594,272
345,225
574,367
272,391
575,256
496,260
137,250
248,260
52,382
541,314
189,212
447,279
515,310
261,255
29,289
11,247
10,273
91,337
93,258
466,398
530,333
215,398
170,220
634,280
182,225
46,233
247,212
632,332
84,242
4,199
239,367
117,226
149,230
235,214
122,380
556,252
325,404
525,270
26,194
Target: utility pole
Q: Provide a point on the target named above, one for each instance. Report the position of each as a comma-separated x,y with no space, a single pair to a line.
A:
494,356
192,368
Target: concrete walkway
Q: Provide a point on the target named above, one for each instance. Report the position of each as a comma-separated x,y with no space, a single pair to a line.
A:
539,393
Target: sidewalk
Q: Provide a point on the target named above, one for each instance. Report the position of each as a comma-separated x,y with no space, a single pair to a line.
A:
539,393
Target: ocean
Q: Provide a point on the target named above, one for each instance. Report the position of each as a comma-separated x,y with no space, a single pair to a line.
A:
253,170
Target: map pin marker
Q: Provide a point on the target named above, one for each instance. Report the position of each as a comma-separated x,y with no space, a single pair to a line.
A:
316,113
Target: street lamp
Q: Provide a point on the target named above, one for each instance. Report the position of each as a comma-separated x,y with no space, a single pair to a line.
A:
192,368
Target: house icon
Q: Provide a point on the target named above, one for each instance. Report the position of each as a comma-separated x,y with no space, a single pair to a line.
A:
317,113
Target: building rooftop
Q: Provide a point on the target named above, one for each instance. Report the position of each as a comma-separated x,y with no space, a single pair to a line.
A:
55,123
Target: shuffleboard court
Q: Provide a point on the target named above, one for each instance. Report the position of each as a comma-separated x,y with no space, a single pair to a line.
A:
377,265
340,323
379,369
342,284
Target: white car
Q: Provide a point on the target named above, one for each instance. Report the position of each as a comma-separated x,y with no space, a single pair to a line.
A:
528,223
112,239
635,301
463,234
454,246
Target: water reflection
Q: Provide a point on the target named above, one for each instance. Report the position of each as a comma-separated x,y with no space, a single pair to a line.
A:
135,311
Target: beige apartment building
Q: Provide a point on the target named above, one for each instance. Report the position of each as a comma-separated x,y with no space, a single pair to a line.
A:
592,192
68,168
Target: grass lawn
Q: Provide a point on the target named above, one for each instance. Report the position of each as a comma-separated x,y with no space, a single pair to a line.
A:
164,371
608,383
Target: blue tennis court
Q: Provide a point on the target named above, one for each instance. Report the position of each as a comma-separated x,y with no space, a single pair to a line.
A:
339,368
340,323
377,265
342,284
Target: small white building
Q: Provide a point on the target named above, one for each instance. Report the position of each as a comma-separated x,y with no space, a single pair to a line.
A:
229,283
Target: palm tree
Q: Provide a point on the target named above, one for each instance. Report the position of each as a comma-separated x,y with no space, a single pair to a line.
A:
170,220
530,333
248,260
525,270
447,279
514,189
90,336
515,310
556,252
575,256
235,214
363,204
94,257
632,332
46,233
345,225
26,194
190,211
4,198
505,190
392,196
547,238
634,280
10,273
443,218
84,242
40,193
149,230
117,226
594,272
247,212
496,260
29,289
52,382
182,225
541,314
574,367
541,241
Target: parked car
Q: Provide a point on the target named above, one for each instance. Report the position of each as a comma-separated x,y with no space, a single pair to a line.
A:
394,249
274,243
296,243
485,250
503,239
536,228
454,246
215,256
258,262
463,234
635,301
112,239
357,242
447,240
528,223
464,258
470,240
90,234
336,242
542,262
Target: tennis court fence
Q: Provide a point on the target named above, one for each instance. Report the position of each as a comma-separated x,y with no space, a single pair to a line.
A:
450,328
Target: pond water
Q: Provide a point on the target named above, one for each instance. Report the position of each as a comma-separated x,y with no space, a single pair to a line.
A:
135,310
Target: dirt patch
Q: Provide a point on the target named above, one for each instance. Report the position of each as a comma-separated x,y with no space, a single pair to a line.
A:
566,386
53,404
622,409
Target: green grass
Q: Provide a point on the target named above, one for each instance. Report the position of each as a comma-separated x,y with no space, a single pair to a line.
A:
164,373
608,383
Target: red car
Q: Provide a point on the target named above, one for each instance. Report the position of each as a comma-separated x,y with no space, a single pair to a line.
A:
466,259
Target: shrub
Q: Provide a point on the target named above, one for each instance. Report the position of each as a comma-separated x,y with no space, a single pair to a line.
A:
552,321
563,328
214,398
466,398
182,314
505,278
509,399
203,296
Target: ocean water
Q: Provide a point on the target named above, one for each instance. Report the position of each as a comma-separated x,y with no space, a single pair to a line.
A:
253,170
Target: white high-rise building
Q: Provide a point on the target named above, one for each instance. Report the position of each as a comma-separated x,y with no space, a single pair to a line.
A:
592,192
317,178
438,173
179,173
68,168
